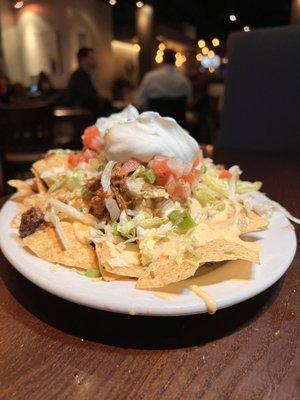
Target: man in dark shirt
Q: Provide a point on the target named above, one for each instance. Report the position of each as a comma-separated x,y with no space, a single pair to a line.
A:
81,90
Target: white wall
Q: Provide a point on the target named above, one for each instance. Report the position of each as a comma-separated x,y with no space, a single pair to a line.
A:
44,34
125,55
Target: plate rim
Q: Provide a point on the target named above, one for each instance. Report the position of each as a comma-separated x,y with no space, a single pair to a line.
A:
117,307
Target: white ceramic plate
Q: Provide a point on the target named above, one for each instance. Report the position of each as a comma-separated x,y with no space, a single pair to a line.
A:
230,283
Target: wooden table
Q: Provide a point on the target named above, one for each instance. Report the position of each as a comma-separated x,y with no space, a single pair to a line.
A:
53,349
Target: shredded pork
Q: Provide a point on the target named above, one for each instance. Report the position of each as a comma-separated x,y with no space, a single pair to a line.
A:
31,220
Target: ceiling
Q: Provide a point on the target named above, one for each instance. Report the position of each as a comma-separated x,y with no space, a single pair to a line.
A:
209,17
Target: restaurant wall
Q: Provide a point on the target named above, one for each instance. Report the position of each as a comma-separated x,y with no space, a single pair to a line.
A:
45,35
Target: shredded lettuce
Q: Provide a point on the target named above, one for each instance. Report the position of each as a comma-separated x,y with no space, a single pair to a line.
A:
126,226
246,187
147,246
183,220
220,186
139,188
153,222
204,197
149,176
72,212
53,218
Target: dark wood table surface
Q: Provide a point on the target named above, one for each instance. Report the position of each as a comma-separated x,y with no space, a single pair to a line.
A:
53,349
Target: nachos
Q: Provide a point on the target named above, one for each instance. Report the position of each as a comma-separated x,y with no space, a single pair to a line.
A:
139,202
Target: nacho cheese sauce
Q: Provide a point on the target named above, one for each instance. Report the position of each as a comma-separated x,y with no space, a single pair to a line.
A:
147,136
209,301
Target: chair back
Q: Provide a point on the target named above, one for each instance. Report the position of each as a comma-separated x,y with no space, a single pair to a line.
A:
26,127
262,86
174,107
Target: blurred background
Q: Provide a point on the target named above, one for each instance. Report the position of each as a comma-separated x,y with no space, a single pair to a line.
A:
64,63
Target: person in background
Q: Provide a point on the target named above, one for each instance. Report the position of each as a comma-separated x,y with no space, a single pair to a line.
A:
44,83
81,90
198,78
164,82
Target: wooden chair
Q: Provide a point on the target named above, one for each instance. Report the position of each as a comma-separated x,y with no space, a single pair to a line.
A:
72,120
26,134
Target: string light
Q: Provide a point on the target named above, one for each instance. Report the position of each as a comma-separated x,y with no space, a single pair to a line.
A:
112,2
199,57
211,54
180,59
232,18
211,70
160,53
205,50
215,42
19,4
246,28
136,47
139,4
201,43
225,60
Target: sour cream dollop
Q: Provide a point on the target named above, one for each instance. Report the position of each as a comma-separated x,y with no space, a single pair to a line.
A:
105,123
147,136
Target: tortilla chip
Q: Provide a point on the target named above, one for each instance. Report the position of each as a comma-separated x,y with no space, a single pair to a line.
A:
16,221
22,186
50,161
107,276
45,244
251,222
123,262
209,246
36,200
24,189
164,271
40,184
81,230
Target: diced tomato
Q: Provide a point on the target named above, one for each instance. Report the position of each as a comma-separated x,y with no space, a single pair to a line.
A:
191,177
129,166
74,159
161,169
196,162
88,154
225,174
91,138
178,189
159,165
81,156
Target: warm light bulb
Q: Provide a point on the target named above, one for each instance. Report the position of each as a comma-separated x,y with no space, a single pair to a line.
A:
162,46
201,43
246,28
225,60
210,54
136,47
205,50
199,57
159,59
19,4
211,70
215,42
139,4
232,17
